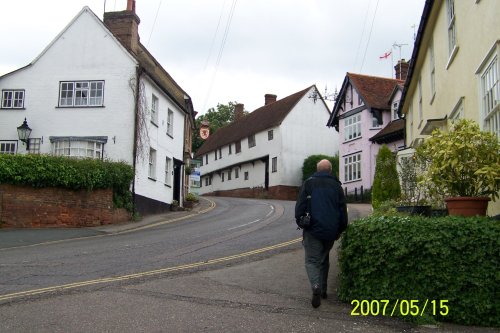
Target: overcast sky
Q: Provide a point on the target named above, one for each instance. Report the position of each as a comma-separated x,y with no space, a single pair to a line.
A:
271,46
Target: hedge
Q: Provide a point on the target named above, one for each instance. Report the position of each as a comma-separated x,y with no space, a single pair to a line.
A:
416,258
70,173
309,166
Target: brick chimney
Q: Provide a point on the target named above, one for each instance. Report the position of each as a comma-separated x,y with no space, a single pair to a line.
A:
125,26
402,69
269,98
238,111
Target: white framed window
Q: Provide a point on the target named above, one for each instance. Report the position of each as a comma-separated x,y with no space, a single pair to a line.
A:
409,120
274,164
251,141
152,164
352,127
236,173
352,167
270,135
34,145
432,69
83,148
81,93
452,34
375,123
12,99
154,109
490,93
8,147
170,123
458,111
246,175
395,107
168,171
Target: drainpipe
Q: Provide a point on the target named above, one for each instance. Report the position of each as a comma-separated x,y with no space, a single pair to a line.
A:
138,74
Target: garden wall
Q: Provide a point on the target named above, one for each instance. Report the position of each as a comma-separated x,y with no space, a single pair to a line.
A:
30,207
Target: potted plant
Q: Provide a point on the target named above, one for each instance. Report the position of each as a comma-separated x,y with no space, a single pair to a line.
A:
191,199
412,199
464,163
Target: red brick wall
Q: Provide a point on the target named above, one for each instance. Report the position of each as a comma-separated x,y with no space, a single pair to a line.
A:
29,207
279,192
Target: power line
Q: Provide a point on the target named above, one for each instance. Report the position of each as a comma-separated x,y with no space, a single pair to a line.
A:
215,35
362,34
154,23
369,37
221,50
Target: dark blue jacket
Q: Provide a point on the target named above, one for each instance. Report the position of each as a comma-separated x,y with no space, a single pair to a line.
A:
328,208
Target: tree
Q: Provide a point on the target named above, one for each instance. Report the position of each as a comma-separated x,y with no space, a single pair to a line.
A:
386,181
309,166
217,118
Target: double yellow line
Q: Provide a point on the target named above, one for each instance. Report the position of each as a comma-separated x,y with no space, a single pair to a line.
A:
143,274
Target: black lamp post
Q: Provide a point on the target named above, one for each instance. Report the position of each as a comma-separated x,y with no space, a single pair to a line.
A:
24,132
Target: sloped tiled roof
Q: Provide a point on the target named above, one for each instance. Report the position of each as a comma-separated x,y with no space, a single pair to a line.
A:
374,90
393,131
259,120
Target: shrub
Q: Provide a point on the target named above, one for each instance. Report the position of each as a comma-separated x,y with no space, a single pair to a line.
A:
386,182
191,197
415,258
309,167
74,174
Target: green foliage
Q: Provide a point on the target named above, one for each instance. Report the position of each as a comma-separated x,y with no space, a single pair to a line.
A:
309,166
191,197
464,161
217,118
386,182
417,258
75,174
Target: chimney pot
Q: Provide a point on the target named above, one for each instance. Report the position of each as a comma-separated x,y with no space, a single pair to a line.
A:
269,98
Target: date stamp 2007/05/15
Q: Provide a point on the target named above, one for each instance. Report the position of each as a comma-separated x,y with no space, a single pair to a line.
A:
401,307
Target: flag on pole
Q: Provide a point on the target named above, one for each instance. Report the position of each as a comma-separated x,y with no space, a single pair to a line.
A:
386,55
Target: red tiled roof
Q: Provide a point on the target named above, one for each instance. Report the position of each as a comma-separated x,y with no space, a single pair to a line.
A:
374,90
259,120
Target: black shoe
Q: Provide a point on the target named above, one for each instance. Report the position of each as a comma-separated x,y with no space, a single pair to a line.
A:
316,299
324,295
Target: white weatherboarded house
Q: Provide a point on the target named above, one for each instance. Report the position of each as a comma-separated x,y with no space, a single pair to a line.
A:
264,151
96,92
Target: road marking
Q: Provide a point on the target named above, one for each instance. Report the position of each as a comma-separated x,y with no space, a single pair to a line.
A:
212,206
144,274
242,225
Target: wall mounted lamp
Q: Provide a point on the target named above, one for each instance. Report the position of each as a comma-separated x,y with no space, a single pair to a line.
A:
24,132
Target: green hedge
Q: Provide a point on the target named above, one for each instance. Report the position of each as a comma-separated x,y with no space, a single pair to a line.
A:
75,174
407,258
309,166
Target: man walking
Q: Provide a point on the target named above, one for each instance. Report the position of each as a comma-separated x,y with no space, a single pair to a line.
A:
322,197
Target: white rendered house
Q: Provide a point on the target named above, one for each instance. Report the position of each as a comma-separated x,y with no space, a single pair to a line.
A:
264,151
96,92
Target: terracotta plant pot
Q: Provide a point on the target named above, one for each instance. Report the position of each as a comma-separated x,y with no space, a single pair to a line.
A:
467,206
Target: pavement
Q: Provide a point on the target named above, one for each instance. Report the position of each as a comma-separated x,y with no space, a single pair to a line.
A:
266,293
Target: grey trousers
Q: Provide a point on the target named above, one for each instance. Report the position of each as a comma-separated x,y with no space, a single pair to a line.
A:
317,260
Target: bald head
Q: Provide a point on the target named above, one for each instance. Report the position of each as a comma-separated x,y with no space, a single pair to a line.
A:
324,166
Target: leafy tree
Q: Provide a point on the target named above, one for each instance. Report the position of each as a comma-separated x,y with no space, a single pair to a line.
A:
386,181
222,116
309,167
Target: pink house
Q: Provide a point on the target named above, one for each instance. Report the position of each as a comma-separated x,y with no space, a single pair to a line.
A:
365,115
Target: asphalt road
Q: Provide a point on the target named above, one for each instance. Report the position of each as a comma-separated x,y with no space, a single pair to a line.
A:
236,268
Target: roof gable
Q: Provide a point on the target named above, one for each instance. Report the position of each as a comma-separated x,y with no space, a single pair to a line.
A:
375,91
85,11
265,117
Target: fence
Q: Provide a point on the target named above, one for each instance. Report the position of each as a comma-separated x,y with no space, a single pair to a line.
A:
358,195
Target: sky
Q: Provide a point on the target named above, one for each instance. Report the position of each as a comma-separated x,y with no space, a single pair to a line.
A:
237,50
